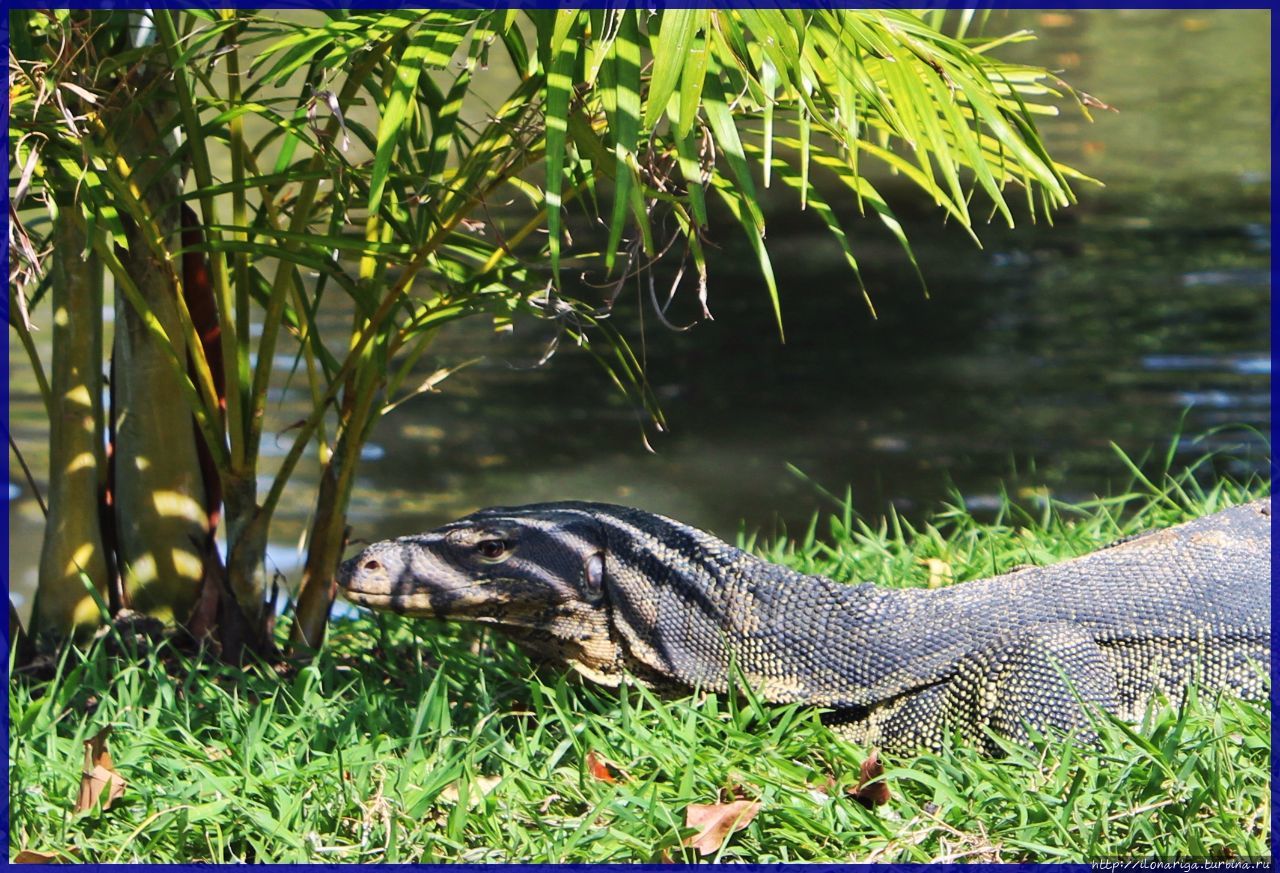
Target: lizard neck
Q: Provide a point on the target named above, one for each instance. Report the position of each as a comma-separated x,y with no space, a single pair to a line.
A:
686,605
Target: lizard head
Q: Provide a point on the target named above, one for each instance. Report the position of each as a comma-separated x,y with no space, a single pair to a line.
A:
494,562
536,571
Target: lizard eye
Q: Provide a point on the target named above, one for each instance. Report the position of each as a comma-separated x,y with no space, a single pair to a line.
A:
593,575
491,550
372,565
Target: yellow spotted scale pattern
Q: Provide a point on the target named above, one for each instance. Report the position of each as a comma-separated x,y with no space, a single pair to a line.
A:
616,592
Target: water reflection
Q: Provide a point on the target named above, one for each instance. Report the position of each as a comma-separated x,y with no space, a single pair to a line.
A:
1249,364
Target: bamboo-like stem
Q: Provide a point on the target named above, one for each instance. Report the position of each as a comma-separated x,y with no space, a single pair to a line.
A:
304,336
315,595
285,271
33,354
178,366
122,181
424,340
199,155
374,324
239,207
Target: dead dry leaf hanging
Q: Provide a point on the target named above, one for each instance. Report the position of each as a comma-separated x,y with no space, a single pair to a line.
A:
715,821
875,793
99,775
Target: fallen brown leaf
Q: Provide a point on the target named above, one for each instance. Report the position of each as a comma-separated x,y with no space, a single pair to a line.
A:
479,788
599,769
98,775
715,821
28,856
876,794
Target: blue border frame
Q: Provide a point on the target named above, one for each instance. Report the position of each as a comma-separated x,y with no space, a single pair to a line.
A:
658,5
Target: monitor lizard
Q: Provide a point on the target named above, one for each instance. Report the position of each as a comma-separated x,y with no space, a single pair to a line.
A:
614,591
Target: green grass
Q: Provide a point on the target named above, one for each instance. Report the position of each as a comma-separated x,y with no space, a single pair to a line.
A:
417,741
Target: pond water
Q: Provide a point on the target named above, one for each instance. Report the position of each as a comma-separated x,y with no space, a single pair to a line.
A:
1144,312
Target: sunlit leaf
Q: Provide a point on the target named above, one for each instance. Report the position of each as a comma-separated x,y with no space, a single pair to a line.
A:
693,72
622,109
739,206
716,821
670,54
563,53
742,198
769,84
394,114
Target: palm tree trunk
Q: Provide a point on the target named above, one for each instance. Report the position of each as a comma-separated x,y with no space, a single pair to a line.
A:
329,529
72,555
159,495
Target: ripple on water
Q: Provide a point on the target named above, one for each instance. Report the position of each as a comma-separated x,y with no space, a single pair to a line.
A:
1246,363
1245,276
1219,399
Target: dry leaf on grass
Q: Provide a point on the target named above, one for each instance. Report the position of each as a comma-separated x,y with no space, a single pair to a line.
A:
30,856
99,775
715,821
479,787
599,769
875,794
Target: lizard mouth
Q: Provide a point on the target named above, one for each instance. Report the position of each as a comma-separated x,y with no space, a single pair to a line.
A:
369,583
370,587
401,604
475,602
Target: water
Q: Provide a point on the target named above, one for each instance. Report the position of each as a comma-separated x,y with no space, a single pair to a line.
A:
1144,312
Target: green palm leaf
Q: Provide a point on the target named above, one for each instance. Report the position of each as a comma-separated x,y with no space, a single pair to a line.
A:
563,54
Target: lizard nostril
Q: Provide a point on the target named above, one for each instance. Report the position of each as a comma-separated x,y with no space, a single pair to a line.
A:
372,565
